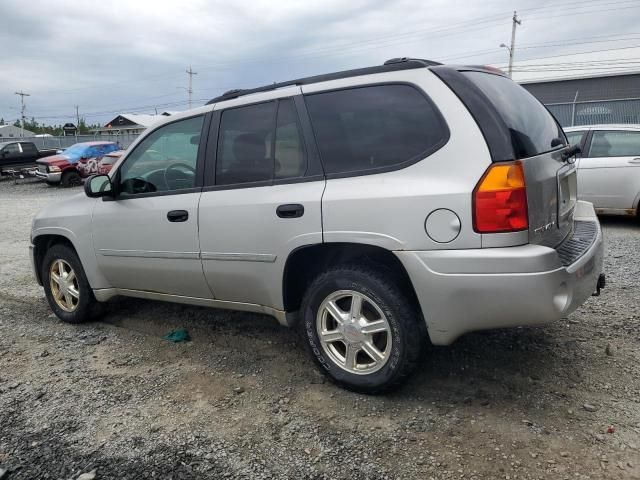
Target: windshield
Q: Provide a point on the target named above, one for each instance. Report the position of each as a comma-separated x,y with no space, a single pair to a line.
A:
533,129
75,150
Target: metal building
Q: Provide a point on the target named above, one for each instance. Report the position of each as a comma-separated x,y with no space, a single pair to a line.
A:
612,98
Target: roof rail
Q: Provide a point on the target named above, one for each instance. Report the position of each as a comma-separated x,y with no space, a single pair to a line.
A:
391,65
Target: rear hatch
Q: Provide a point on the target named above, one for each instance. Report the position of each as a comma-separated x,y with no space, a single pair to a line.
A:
518,127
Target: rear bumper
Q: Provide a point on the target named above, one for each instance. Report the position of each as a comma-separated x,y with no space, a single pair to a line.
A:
466,290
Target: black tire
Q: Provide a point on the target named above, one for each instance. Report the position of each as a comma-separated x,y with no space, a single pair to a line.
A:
404,319
70,179
88,308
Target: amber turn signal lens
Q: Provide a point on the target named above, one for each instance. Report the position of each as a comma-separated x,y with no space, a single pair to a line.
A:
500,200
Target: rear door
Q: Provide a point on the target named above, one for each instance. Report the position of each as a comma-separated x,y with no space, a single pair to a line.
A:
609,170
262,198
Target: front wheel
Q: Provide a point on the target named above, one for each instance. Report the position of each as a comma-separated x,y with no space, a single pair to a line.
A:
66,287
70,179
361,328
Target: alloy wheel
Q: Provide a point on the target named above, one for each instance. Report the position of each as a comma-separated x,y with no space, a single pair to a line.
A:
354,332
64,285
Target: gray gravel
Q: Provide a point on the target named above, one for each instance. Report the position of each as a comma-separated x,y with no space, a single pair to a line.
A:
112,400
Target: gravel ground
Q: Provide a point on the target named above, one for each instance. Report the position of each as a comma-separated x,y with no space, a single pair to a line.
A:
242,400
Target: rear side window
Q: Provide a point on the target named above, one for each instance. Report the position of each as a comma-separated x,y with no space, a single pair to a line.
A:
29,148
532,129
248,150
374,128
615,144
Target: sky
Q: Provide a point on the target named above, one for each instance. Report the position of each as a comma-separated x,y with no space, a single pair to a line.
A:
132,56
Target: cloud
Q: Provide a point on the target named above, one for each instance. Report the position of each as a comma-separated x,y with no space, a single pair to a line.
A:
109,57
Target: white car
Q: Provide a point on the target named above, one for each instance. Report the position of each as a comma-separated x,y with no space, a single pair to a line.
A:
609,167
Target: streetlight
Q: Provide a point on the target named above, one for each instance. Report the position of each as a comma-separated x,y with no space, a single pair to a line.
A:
510,57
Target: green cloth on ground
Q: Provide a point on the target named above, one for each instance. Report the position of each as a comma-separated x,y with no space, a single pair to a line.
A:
180,335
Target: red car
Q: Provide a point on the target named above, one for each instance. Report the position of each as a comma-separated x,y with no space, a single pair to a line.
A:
98,165
63,167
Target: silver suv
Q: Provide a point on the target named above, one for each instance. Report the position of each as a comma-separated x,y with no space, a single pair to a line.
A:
373,208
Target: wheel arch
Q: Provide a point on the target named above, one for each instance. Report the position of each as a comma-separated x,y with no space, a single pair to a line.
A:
305,263
42,243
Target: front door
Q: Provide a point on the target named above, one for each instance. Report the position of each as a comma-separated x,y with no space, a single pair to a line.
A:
265,202
609,171
147,237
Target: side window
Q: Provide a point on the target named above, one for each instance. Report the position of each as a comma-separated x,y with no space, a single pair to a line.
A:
374,127
165,160
615,144
29,148
574,138
245,144
12,148
290,159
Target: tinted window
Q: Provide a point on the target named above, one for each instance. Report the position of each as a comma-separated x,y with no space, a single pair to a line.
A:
574,138
165,160
374,127
29,148
290,160
244,144
615,144
533,129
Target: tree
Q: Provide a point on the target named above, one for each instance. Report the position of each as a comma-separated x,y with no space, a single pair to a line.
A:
2,121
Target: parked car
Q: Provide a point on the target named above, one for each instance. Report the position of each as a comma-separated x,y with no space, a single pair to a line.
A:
98,165
63,167
371,208
609,167
17,155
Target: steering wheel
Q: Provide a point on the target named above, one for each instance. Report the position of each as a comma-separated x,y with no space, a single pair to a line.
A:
178,167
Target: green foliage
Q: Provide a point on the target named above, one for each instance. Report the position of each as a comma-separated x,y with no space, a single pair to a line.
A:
40,128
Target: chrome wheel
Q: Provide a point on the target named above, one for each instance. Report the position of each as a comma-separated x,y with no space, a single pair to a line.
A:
354,332
64,285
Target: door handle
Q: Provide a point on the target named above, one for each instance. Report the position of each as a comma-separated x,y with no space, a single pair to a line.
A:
290,210
178,216
635,161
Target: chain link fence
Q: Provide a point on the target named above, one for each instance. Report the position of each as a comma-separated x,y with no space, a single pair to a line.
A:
596,111
62,142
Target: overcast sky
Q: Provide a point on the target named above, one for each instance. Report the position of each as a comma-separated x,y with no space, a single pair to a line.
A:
131,56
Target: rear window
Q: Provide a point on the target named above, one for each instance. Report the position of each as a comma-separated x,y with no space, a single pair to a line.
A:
366,129
532,128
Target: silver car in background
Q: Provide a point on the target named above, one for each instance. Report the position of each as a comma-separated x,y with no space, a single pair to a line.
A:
372,208
609,167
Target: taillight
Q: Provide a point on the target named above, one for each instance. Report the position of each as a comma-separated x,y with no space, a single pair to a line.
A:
500,200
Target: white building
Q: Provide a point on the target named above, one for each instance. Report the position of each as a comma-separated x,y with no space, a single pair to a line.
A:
9,131
129,124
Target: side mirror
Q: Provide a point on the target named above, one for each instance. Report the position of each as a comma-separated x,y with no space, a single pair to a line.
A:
98,186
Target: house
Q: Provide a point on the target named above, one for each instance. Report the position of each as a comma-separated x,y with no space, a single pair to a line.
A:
10,131
129,124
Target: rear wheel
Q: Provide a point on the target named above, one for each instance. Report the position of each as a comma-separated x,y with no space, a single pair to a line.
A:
70,179
66,287
362,330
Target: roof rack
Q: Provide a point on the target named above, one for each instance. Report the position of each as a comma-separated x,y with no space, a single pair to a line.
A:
390,65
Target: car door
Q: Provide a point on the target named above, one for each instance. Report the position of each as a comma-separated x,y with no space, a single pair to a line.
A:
609,170
146,238
262,198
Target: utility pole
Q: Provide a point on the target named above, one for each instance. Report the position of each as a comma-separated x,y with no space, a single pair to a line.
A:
77,120
191,73
22,109
515,22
